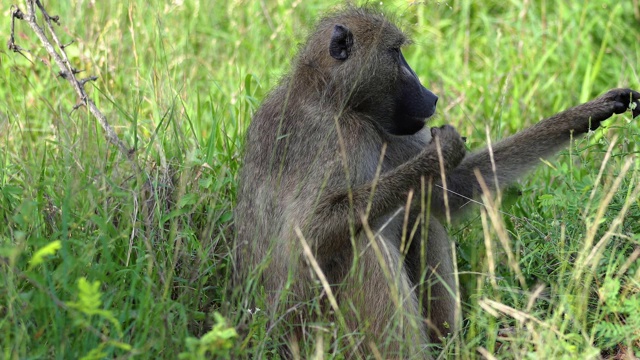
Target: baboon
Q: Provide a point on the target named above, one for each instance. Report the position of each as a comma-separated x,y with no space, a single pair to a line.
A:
338,158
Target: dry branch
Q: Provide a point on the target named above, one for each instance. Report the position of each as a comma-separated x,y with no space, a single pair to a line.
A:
66,70
148,196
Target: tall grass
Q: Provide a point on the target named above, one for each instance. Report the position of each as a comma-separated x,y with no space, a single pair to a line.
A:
87,270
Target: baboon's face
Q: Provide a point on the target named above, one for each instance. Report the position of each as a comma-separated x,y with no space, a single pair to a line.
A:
414,102
386,87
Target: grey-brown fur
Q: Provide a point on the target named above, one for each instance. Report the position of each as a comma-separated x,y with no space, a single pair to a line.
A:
302,172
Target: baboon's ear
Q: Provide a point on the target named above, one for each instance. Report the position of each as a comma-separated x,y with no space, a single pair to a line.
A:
341,42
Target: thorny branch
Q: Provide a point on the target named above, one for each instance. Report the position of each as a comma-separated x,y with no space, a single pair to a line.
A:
16,13
150,194
66,70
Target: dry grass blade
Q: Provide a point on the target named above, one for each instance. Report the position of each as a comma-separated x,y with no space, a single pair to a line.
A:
323,280
498,225
494,307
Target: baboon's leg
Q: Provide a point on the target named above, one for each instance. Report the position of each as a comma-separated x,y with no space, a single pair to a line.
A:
430,265
378,301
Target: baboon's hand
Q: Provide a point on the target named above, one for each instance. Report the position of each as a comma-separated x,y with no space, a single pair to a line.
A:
620,99
615,101
452,144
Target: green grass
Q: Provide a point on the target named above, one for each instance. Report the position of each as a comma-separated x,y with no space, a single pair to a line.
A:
180,81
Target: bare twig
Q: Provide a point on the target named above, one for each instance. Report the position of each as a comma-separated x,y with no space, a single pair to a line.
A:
47,18
16,13
66,70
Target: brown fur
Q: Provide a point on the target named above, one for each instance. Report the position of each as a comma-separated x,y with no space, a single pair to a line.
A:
312,154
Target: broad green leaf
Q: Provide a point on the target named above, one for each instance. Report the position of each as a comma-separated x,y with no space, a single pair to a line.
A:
50,249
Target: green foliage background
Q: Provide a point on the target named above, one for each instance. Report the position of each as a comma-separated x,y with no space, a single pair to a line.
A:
91,267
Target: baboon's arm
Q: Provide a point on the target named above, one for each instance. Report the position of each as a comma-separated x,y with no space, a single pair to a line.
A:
338,209
521,152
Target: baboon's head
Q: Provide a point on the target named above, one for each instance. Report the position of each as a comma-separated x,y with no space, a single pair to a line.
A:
354,59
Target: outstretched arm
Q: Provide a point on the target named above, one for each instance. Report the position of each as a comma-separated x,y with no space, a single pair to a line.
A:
519,153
